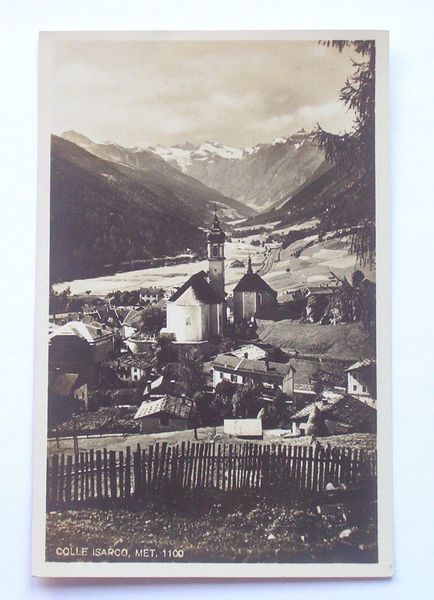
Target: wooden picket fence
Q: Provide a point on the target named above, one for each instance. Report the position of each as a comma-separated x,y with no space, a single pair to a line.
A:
99,478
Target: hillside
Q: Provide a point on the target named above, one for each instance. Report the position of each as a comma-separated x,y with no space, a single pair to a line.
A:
104,213
163,178
337,199
346,341
259,176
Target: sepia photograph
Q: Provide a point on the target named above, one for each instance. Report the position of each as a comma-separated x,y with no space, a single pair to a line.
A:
212,369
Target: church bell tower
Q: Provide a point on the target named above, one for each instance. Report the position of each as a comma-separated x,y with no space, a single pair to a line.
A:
216,256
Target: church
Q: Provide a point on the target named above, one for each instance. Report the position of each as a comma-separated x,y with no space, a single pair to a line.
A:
252,296
196,311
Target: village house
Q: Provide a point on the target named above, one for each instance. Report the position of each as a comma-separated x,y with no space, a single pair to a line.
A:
244,371
140,342
361,381
63,318
162,386
132,368
78,347
151,295
132,323
164,414
334,415
252,296
237,264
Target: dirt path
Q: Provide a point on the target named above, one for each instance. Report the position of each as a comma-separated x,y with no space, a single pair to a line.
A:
272,258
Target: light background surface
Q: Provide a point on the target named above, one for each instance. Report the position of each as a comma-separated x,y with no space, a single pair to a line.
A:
412,222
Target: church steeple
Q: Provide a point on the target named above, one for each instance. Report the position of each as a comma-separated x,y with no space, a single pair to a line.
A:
249,266
216,255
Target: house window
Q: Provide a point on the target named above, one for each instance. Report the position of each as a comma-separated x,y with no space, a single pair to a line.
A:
354,388
364,388
234,378
164,419
355,374
221,375
188,321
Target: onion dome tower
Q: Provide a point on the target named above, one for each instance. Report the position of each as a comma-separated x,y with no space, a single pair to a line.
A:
216,256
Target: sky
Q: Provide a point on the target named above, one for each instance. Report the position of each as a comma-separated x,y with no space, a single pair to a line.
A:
238,93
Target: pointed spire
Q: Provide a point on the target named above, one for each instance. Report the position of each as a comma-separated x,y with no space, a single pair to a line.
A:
216,221
249,266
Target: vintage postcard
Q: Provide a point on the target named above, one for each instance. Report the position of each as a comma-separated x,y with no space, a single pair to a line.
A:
212,394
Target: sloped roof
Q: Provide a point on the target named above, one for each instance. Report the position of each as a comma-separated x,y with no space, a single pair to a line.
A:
237,263
163,385
140,361
202,290
366,362
134,318
87,331
252,282
247,365
168,404
63,384
306,410
317,291
354,412
254,352
344,409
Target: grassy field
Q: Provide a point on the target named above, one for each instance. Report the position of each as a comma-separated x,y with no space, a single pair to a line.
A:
313,266
347,341
209,526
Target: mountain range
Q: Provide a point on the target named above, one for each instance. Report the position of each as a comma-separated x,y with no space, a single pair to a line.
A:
258,176
108,212
115,205
163,178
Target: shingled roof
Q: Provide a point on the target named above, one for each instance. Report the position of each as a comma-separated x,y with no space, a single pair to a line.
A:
168,404
201,288
63,384
360,416
348,410
234,363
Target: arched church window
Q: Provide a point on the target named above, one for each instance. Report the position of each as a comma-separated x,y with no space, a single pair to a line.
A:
215,251
188,321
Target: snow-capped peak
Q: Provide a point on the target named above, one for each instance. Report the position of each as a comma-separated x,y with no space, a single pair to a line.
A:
280,140
184,154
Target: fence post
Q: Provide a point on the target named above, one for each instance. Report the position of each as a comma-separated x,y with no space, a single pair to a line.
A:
92,475
127,473
137,472
68,480
98,466
112,474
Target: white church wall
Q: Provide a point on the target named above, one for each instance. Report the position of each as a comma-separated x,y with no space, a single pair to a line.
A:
188,323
